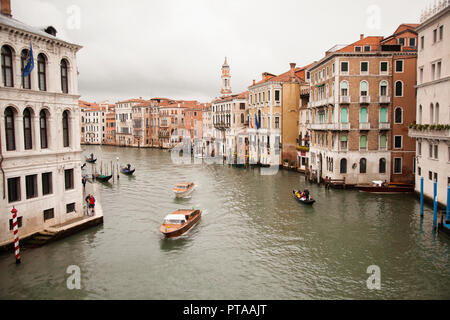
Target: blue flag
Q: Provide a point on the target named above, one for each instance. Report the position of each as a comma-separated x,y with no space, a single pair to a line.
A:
256,122
30,63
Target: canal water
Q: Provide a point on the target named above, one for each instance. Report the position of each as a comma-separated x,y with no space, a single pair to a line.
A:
254,241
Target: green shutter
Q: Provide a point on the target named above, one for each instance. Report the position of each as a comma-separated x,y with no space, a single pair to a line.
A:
363,141
344,115
343,138
383,115
383,141
363,115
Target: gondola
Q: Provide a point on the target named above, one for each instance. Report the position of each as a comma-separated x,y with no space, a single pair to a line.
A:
103,178
304,201
91,160
126,171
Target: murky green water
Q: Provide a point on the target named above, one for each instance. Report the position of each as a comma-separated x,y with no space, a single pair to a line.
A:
254,241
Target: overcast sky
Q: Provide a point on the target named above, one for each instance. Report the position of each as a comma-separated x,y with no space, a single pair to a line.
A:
175,48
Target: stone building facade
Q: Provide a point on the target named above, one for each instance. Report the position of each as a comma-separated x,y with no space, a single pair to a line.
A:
40,164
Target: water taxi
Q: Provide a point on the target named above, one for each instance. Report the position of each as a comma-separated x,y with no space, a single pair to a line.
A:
178,222
183,189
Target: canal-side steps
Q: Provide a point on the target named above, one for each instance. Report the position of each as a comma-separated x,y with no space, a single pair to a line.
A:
58,231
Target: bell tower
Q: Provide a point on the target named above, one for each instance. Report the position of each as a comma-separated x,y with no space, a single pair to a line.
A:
226,77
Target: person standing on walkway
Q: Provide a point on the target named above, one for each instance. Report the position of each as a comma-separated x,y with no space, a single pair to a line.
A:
91,203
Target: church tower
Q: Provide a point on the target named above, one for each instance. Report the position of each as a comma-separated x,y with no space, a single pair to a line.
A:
226,77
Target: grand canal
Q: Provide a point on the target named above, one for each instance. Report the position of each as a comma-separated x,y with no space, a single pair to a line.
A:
254,241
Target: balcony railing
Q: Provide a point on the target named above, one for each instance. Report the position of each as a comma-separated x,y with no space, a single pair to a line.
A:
385,99
364,126
344,99
384,126
344,126
364,99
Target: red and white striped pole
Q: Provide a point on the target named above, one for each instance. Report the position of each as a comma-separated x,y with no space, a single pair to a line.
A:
16,235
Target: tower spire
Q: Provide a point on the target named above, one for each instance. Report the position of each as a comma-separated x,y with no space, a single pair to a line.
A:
226,77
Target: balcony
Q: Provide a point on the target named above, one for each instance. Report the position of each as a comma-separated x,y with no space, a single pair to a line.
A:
317,126
344,126
429,131
384,126
385,99
221,125
364,126
364,99
344,99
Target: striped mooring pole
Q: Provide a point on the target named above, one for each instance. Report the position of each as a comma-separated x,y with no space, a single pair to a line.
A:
435,205
16,235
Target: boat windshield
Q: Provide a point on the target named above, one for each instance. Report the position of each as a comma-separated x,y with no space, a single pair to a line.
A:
174,221
182,186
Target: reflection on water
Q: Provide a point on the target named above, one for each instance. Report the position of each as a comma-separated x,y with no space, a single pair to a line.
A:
254,240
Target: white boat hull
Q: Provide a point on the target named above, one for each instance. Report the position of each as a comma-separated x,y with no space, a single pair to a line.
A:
183,194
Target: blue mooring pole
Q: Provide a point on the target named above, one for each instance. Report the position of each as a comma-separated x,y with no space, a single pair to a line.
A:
448,205
435,205
421,196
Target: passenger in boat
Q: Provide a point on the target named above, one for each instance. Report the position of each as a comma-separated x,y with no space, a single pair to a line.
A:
306,194
302,195
129,167
92,156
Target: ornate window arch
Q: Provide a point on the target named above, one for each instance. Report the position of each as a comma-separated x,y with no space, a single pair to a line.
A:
7,66
42,72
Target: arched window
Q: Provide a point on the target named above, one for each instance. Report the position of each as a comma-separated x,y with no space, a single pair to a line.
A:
362,165
344,88
7,67
28,140
42,73
363,88
43,129
399,89
26,81
64,76
398,115
65,125
436,114
9,129
431,113
419,117
383,88
343,165
363,115
259,118
383,115
382,165
344,115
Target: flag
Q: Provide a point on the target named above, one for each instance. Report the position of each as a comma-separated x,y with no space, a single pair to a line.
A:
256,122
30,63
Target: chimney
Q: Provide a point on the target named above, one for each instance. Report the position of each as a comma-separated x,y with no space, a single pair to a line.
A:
361,36
5,7
292,71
